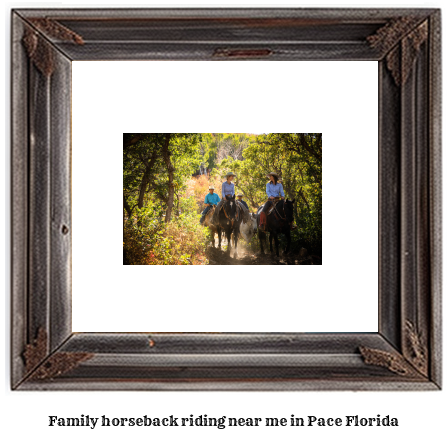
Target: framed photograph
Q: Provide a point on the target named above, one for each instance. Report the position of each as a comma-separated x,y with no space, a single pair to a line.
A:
170,179
252,338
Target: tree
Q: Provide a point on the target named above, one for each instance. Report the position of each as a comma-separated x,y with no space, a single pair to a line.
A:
297,159
157,169
170,168
155,166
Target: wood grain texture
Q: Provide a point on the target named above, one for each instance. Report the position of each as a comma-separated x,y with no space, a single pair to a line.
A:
435,196
60,202
19,201
229,14
39,201
389,207
405,354
36,351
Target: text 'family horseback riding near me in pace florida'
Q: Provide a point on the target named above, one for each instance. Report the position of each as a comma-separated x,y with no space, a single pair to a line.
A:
221,422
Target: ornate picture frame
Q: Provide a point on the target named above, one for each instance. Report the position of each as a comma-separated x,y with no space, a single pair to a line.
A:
405,353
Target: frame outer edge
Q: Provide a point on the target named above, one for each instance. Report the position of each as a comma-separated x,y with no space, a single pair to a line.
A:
349,13
30,319
19,199
435,129
278,385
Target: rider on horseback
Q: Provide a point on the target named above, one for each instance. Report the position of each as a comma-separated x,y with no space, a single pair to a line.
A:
275,191
239,198
228,193
210,199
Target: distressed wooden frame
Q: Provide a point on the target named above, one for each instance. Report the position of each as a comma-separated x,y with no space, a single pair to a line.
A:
405,354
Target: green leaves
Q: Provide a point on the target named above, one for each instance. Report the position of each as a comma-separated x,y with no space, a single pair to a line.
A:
296,157
145,176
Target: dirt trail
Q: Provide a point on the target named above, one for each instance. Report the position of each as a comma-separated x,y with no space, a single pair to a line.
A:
244,257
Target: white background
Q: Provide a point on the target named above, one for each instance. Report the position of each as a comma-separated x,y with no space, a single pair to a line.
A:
419,414
338,99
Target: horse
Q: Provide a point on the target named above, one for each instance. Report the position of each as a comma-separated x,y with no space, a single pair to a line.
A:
248,229
209,223
229,220
278,222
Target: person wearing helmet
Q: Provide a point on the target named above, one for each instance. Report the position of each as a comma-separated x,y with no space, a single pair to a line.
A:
211,199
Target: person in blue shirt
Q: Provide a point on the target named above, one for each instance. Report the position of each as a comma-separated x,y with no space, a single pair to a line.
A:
274,189
228,186
227,192
210,199
239,198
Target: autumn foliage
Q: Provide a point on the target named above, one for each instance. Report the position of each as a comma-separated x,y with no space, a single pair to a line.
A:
199,188
148,241
167,176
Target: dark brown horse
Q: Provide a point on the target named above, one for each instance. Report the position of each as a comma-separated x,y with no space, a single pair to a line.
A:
229,220
278,222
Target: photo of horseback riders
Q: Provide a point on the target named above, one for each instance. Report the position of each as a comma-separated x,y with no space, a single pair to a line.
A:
214,199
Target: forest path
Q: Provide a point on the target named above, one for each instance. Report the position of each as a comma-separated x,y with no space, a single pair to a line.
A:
246,257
